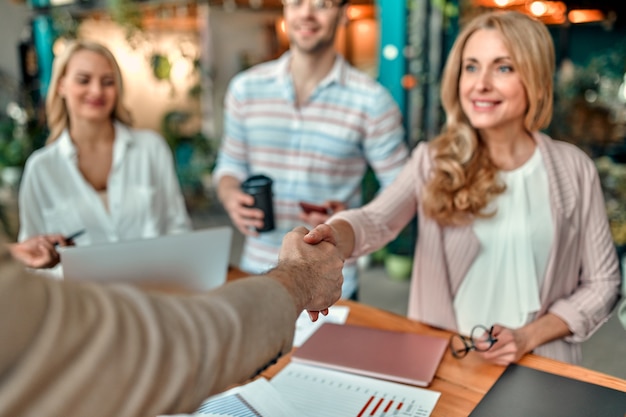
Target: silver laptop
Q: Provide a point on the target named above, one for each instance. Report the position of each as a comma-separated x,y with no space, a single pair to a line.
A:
196,260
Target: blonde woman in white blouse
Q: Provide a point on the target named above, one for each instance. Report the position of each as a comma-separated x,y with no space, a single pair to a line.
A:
512,229
96,173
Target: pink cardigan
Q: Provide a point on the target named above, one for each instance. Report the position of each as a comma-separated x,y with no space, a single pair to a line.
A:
582,280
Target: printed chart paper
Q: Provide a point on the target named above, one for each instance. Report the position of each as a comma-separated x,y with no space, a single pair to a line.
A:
317,391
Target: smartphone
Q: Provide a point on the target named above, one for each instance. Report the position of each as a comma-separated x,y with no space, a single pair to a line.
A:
309,208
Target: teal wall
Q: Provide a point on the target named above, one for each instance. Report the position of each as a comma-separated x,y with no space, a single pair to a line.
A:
392,16
44,35
580,43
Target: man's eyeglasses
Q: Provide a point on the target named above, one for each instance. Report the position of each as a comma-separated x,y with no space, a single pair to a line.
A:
317,4
461,345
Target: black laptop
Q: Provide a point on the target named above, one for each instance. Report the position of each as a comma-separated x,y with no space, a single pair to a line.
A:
526,392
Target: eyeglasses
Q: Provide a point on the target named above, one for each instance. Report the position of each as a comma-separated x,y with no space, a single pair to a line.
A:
461,345
317,4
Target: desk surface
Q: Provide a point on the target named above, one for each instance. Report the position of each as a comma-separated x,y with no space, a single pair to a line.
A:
462,383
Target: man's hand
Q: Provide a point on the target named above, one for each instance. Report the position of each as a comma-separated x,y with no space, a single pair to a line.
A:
237,205
38,251
312,273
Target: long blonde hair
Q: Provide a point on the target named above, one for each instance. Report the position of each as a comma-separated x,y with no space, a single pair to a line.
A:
56,111
464,179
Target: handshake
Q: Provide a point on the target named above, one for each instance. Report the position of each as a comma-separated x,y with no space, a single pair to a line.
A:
310,267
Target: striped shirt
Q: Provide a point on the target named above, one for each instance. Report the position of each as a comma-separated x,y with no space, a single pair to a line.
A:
315,152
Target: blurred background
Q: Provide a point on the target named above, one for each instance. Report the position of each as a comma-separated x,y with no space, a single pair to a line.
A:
178,56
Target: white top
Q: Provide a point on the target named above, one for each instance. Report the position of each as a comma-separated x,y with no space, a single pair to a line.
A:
502,285
144,197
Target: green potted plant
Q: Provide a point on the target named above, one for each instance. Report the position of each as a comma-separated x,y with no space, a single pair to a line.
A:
194,154
16,143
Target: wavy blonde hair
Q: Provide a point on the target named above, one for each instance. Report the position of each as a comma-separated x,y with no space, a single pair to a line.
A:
56,110
464,179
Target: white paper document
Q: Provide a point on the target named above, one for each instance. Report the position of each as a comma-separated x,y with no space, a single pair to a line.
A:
323,392
254,399
308,391
305,327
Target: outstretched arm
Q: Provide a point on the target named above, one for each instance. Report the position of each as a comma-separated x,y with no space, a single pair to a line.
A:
76,349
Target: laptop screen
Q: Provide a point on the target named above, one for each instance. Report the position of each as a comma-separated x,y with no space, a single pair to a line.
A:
196,260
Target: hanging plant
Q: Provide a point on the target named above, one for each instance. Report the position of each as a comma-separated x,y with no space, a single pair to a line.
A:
126,13
162,70
161,67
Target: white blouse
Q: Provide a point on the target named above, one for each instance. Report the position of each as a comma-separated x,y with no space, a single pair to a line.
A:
143,194
502,285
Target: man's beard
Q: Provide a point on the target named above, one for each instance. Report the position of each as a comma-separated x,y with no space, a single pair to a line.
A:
319,46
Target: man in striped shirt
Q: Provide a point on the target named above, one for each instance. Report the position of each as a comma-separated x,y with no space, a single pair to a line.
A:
310,122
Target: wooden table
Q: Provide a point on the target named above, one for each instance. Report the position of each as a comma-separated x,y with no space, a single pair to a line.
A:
461,382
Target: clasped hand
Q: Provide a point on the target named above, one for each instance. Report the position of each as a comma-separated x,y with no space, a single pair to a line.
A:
323,234
317,270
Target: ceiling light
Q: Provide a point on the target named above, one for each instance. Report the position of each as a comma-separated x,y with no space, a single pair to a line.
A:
538,8
585,15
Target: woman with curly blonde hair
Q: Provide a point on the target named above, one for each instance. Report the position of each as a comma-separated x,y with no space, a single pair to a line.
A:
464,178
96,173
513,233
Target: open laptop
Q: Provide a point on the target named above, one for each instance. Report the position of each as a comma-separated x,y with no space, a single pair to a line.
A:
195,260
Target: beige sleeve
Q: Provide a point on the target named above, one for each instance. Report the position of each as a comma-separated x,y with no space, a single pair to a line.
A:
73,349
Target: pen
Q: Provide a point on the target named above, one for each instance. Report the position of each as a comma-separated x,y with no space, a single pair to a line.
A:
72,236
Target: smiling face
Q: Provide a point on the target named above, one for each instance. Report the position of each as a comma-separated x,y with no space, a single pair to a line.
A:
89,87
491,91
311,30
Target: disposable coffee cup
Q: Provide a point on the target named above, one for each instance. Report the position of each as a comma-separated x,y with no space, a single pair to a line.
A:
260,187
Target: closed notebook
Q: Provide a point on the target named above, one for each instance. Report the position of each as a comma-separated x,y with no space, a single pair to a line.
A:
525,392
409,358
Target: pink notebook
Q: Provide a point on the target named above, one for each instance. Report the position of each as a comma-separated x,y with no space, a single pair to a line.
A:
409,358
